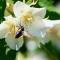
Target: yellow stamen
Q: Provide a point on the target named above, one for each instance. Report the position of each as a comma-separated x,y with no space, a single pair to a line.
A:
27,17
11,27
50,30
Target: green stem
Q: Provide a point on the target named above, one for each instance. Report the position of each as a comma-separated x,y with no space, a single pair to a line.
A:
23,1
33,1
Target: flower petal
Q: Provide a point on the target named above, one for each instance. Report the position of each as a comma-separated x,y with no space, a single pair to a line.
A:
51,23
35,27
3,30
39,12
19,7
53,34
13,43
10,40
31,45
8,17
20,42
36,31
12,19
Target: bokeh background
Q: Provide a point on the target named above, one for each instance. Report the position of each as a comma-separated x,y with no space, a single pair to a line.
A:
47,51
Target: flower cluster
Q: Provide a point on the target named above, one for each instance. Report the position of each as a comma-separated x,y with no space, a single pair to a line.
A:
28,23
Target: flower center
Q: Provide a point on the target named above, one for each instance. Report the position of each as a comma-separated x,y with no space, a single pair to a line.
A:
11,27
27,17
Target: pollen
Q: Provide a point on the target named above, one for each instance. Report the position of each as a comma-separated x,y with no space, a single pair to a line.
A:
49,30
52,30
27,17
11,27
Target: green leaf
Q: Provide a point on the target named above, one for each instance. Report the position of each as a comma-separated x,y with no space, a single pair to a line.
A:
45,2
52,15
2,9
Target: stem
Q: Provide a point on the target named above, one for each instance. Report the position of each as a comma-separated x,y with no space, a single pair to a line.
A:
33,1
49,53
23,1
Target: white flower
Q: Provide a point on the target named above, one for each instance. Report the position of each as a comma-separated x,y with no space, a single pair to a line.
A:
8,31
31,19
52,33
28,17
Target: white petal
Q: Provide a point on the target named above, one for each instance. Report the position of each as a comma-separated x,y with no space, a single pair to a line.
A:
48,23
19,7
35,27
37,31
51,23
12,19
13,43
8,17
19,42
31,45
54,35
56,22
39,12
3,30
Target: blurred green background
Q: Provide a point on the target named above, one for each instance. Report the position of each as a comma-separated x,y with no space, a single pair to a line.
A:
53,12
